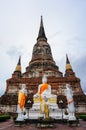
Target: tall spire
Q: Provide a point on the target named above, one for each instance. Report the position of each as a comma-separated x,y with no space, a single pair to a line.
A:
41,33
18,67
67,60
42,61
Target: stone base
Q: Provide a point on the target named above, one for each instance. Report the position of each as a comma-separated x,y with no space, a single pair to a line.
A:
45,125
19,123
20,117
34,112
73,123
72,118
54,113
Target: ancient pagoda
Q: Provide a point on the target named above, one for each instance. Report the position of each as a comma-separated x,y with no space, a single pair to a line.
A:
41,63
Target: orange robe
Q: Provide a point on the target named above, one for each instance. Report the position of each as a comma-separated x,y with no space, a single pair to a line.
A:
42,89
21,99
43,106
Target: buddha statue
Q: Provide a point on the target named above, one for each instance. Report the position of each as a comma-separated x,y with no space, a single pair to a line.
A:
45,103
70,101
21,102
44,90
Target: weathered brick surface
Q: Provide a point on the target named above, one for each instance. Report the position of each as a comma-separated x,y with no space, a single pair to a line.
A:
42,62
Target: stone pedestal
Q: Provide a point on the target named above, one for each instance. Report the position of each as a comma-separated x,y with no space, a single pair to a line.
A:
54,111
72,117
20,117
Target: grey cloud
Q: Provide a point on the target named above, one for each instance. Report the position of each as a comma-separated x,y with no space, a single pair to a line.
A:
80,69
15,51
0,43
55,34
2,92
76,40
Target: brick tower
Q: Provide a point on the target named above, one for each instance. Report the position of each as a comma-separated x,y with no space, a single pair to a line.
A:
42,62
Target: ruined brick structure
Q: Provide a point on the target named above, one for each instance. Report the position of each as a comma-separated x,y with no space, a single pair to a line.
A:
42,62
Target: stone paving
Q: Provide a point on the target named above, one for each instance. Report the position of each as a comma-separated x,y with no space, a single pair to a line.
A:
9,125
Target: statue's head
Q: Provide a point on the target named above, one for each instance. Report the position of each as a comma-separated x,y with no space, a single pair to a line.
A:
68,86
23,86
68,89
24,89
44,79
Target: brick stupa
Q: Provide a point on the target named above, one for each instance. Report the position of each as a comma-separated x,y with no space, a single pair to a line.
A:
42,62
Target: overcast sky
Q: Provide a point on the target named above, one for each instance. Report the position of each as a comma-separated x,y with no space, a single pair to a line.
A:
65,28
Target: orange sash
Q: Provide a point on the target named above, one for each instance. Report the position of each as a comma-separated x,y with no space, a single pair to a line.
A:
42,89
21,99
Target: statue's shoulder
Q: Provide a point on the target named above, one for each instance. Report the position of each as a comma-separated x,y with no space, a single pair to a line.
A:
49,85
40,85
20,90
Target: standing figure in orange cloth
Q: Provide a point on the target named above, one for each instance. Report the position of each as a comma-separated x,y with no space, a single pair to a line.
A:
21,102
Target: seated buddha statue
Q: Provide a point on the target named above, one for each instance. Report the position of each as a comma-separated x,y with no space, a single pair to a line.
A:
44,90
44,100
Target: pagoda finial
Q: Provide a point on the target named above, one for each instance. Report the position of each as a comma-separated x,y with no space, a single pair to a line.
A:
67,60
19,62
69,70
41,23
18,67
68,65
41,33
